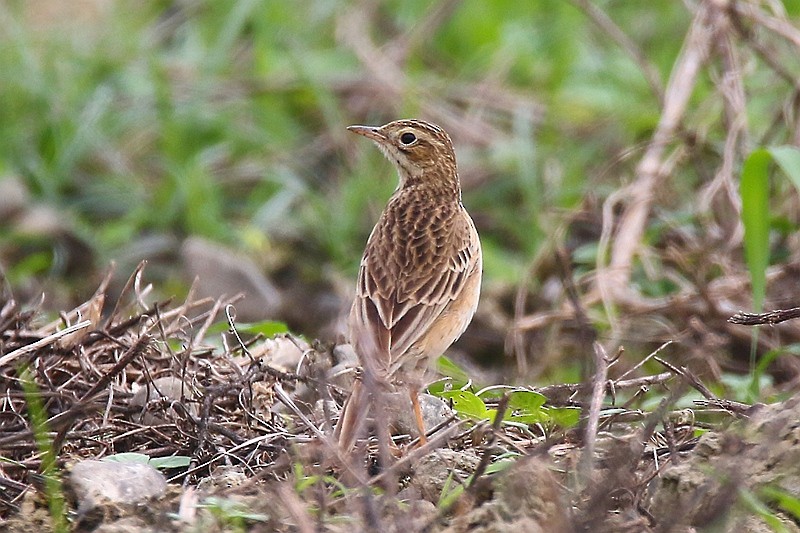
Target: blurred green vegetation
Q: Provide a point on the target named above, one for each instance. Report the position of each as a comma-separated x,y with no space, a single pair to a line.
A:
226,119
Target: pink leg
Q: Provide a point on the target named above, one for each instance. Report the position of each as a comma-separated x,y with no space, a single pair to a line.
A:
414,394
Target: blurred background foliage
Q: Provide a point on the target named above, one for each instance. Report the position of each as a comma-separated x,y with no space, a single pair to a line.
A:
128,128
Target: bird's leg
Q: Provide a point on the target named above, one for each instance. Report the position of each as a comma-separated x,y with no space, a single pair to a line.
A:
414,393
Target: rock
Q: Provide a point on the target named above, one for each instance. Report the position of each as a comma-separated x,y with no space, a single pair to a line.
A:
223,477
414,515
14,196
125,525
703,490
281,352
401,414
397,412
42,220
168,389
529,491
442,469
345,355
96,483
221,271
321,417
527,498
343,372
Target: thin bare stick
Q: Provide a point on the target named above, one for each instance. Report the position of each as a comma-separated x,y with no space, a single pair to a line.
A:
646,359
296,509
50,339
613,281
770,317
598,393
782,27
433,443
328,442
553,392
486,456
288,402
125,289
690,378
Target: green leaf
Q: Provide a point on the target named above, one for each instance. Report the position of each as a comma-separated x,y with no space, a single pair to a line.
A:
758,507
305,482
788,158
502,463
466,403
33,264
535,417
268,328
759,373
526,407
526,400
448,368
785,501
565,417
128,457
437,388
37,414
230,509
174,461
754,190
450,492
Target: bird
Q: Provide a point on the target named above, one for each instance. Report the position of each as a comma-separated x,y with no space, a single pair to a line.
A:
420,275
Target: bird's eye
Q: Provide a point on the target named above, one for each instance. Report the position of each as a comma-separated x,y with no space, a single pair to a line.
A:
408,138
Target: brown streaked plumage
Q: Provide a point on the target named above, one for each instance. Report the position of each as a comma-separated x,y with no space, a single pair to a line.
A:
420,275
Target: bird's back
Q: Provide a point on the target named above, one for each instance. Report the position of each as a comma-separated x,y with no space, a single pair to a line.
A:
420,258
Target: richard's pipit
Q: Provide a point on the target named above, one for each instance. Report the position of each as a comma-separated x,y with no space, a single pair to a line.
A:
420,275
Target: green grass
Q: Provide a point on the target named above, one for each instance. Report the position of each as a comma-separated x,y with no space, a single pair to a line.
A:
51,475
757,219
199,120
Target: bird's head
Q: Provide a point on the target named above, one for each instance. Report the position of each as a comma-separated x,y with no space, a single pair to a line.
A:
422,152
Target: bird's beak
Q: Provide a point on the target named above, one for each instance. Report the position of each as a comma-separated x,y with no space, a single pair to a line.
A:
370,132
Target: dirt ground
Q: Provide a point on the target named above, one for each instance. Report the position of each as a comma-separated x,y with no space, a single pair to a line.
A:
247,423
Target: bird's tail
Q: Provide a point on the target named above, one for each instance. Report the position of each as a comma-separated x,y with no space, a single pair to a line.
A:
369,384
352,418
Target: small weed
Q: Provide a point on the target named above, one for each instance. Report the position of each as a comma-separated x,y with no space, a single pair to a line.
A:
175,461
232,514
53,490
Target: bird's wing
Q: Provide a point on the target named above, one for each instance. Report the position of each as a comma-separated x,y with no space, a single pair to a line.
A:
414,265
